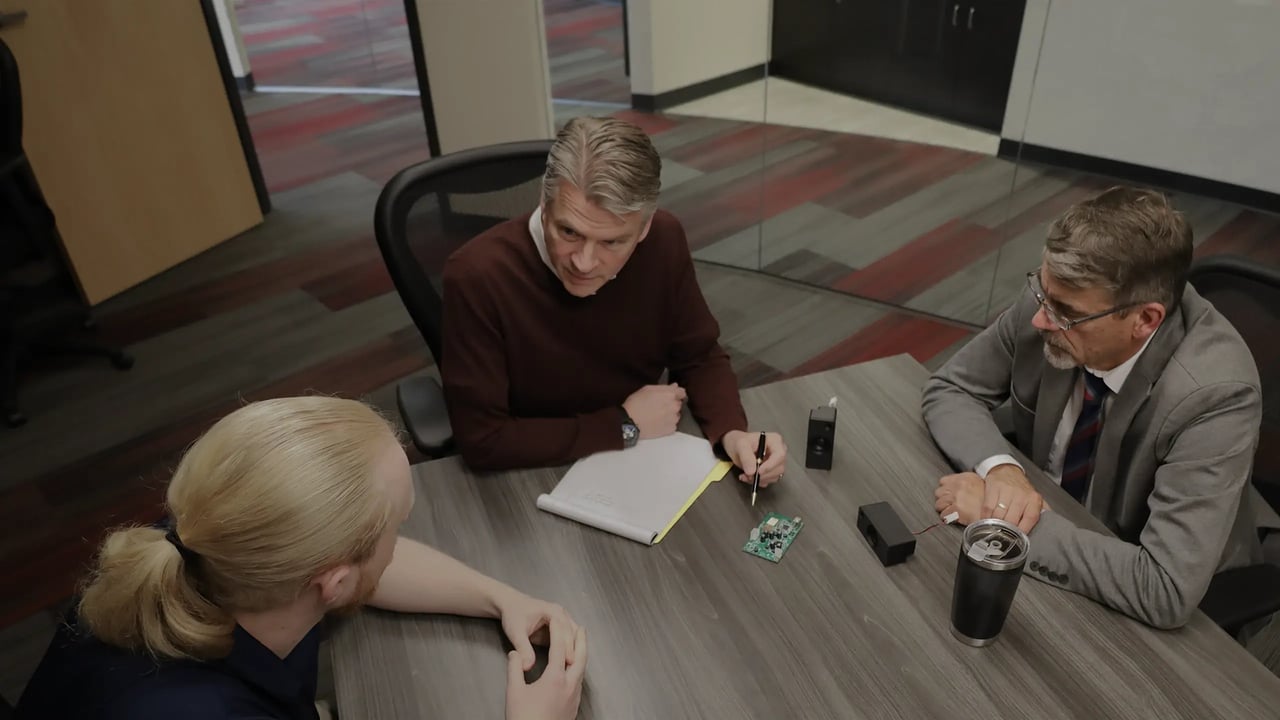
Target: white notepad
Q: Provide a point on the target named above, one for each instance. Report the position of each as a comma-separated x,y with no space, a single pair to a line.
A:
638,493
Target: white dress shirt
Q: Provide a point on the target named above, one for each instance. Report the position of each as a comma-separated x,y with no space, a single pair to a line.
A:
535,229
1114,380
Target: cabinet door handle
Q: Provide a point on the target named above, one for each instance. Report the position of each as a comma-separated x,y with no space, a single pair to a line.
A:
971,9
955,14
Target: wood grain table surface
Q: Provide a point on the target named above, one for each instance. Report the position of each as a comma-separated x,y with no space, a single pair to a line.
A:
696,628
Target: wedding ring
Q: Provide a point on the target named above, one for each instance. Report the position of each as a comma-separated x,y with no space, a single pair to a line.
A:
1002,506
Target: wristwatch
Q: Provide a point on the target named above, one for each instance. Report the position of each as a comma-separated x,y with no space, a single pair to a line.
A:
630,433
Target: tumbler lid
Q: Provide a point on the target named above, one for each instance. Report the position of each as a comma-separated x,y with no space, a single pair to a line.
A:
996,544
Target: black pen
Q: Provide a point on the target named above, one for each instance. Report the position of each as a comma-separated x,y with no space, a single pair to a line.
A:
759,459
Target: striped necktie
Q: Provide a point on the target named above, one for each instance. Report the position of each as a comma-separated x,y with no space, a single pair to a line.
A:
1077,466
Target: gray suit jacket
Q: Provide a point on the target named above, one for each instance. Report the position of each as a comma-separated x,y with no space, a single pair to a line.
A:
1172,464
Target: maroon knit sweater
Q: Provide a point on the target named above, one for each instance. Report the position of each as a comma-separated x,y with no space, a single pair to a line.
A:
534,376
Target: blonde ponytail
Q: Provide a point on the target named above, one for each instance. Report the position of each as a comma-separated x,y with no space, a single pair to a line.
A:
269,497
142,597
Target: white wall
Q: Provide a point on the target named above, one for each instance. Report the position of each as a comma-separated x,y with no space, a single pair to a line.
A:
488,70
1191,86
231,38
677,43
1024,68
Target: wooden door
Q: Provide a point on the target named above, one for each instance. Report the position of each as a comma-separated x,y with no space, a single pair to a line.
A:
130,133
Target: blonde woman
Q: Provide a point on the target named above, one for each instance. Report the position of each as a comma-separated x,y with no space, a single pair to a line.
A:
284,511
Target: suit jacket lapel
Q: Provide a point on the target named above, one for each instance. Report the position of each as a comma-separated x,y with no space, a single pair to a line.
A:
1118,418
1055,390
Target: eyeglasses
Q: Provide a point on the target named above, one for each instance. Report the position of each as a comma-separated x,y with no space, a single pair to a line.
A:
1064,324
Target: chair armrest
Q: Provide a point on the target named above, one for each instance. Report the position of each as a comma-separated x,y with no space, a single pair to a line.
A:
1241,595
421,401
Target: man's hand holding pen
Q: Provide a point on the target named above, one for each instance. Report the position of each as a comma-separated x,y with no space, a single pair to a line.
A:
741,447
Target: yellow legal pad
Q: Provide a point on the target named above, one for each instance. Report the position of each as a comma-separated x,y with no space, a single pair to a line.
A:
638,493
717,473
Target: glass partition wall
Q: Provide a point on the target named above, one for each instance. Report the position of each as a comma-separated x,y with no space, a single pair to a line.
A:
327,45
893,173
1178,96
837,167
887,180
945,137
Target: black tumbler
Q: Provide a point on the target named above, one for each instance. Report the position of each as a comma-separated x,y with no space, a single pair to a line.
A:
987,575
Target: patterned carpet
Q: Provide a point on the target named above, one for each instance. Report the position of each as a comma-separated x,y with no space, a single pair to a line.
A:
327,43
847,227
941,231
584,44
365,43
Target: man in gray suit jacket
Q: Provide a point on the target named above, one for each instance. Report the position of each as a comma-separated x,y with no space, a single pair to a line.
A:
1129,390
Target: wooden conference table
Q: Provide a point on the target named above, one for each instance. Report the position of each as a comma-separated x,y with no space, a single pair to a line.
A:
696,628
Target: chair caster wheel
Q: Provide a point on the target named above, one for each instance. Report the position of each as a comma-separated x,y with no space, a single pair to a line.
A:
122,361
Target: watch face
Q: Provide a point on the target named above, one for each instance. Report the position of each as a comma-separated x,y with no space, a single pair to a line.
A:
630,433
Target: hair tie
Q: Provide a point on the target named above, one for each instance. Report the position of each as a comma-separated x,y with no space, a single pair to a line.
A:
171,534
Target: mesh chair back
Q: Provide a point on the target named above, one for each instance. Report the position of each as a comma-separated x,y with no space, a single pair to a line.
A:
430,209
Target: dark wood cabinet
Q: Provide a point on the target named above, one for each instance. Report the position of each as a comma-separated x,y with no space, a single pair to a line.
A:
984,63
949,58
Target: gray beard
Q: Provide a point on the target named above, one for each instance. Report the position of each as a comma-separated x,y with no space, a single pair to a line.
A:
1058,358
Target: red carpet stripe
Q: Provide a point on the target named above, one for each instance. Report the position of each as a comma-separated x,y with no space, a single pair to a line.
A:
893,334
651,123
235,290
921,166
1251,233
750,142
921,263
598,21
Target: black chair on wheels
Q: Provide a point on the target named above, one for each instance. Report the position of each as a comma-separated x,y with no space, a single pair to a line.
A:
1248,294
423,214
39,300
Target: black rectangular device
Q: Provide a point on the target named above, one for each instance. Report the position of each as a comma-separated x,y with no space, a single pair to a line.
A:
886,533
822,438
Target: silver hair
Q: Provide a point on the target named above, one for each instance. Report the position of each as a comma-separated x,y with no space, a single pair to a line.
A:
612,162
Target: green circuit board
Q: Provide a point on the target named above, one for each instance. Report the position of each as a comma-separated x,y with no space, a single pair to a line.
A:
771,538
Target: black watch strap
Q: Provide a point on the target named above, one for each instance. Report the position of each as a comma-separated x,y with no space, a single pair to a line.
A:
630,431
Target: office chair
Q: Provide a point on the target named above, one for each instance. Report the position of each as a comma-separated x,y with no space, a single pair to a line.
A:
1248,294
423,214
38,296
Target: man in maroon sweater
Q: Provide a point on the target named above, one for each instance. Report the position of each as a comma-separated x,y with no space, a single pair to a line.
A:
559,324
